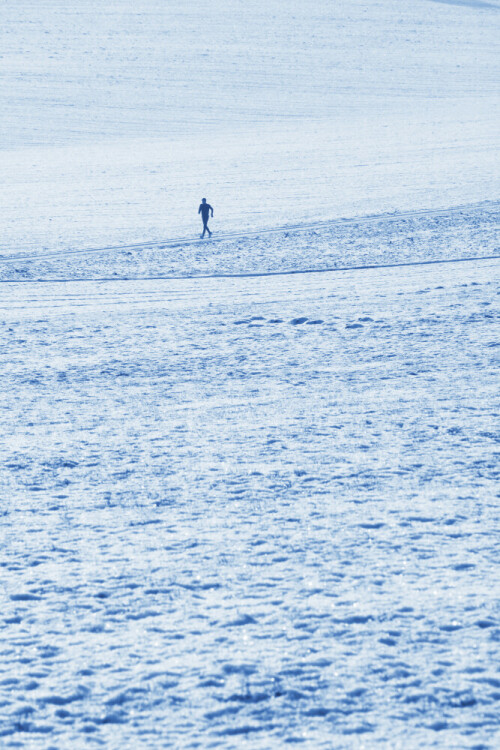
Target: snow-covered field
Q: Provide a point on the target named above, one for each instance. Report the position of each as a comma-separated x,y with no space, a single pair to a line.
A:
259,507
118,117
249,487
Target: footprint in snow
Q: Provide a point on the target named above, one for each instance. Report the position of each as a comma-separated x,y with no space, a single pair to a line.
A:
253,319
25,597
244,619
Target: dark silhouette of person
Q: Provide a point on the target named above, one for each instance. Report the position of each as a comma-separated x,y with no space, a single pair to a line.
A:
205,209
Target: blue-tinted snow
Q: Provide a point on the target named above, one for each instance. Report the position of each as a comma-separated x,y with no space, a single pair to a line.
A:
470,4
221,521
117,120
462,232
249,511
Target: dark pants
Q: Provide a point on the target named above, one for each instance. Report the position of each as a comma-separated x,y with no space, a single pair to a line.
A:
205,228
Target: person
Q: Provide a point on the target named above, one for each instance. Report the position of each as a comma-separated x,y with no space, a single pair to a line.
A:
205,209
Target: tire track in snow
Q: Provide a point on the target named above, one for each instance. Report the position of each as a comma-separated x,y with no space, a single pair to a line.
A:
262,274
303,227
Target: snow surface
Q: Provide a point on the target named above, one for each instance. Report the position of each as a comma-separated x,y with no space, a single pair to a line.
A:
262,508
118,117
421,236
249,485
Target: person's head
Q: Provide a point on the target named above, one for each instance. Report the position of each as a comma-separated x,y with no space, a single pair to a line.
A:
203,200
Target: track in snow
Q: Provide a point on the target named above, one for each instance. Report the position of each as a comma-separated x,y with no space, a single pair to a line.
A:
252,275
303,227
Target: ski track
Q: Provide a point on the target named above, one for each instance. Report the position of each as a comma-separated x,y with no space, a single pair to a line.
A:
360,221
262,274
304,474
455,234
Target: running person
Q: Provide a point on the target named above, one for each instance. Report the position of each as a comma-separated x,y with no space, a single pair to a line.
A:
205,209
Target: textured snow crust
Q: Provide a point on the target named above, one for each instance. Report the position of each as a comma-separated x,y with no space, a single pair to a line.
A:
261,508
426,237
259,511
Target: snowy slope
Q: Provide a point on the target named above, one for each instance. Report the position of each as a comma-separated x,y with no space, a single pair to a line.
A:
466,232
249,487
117,119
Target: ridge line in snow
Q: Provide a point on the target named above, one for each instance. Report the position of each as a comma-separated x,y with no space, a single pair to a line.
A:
302,227
251,274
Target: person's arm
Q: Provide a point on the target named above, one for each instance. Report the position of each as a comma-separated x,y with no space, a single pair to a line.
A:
212,210
199,210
